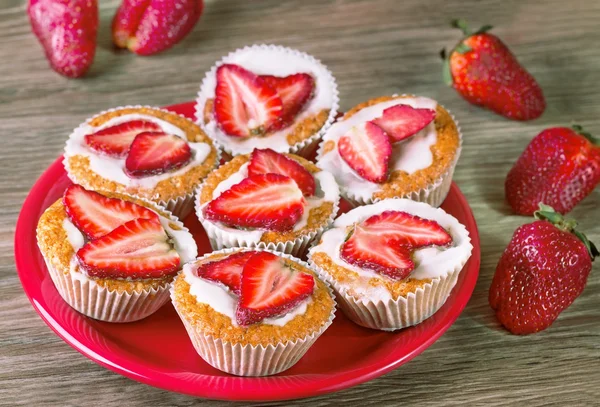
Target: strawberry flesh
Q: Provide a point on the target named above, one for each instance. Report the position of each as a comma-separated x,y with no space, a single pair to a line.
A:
270,288
244,104
295,92
153,153
96,215
137,249
367,150
267,161
227,271
266,201
402,121
115,141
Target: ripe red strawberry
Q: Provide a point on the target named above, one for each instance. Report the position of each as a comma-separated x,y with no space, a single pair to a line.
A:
268,201
147,27
541,272
367,150
67,31
267,161
244,104
95,215
139,248
484,72
114,141
560,167
295,91
402,121
270,288
227,271
154,153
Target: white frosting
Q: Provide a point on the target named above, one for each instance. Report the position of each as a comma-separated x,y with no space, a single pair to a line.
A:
410,155
182,240
113,169
430,262
223,301
326,190
277,61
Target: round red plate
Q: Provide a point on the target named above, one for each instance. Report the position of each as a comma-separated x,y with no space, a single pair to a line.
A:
157,351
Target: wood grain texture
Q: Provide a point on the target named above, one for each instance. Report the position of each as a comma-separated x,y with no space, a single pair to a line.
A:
373,47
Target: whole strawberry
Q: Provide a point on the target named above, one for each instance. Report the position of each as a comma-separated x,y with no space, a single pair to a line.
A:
560,167
147,27
541,272
484,72
67,31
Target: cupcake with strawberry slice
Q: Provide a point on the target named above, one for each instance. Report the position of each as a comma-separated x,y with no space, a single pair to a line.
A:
146,152
393,147
267,96
269,200
112,256
252,312
392,264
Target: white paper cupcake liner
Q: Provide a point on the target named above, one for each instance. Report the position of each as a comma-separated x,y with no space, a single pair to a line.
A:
221,238
433,194
86,296
251,360
180,206
302,148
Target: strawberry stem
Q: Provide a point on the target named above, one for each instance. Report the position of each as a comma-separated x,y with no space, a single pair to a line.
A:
548,213
462,25
579,130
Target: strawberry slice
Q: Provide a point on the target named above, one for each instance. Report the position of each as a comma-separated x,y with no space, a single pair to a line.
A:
402,121
409,230
267,161
114,141
267,201
227,271
95,215
295,91
137,249
244,104
154,153
373,251
367,150
270,288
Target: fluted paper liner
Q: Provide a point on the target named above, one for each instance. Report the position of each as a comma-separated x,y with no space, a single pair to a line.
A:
434,194
251,360
303,148
180,206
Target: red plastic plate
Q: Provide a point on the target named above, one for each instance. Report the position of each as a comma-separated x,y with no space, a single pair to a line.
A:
158,352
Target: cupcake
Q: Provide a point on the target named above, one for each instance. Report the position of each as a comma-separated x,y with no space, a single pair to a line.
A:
252,312
112,256
145,152
269,200
393,147
267,96
392,264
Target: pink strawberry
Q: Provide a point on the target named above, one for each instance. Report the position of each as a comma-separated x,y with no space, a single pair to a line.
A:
139,248
367,150
270,288
147,27
267,161
295,91
268,201
227,271
67,31
96,215
560,167
402,121
154,153
244,104
542,271
114,141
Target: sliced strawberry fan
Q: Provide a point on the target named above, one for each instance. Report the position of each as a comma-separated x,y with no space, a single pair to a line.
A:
267,161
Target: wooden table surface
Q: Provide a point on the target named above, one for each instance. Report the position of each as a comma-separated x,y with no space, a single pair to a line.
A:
373,48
